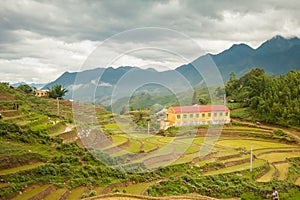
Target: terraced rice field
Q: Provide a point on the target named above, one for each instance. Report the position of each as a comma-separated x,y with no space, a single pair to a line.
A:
227,149
235,168
278,156
256,144
282,170
21,168
76,193
267,176
31,192
137,188
56,195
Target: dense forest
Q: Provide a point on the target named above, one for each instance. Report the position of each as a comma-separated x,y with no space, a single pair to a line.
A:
273,99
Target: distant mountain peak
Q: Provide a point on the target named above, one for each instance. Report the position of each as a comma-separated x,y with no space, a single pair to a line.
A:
278,37
235,54
277,44
240,46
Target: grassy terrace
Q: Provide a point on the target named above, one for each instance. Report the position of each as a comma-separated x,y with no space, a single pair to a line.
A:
277,157
76,193
56,195
13,148
21,168
256,144
267,176
30,193
137,188
283,169
236,168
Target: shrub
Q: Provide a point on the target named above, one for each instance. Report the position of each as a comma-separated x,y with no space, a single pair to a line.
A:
250,196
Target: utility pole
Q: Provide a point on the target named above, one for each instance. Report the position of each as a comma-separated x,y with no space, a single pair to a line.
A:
251,158
224,99
148,120
57,99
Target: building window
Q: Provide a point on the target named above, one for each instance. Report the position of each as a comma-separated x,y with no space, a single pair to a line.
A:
203,115
197,115
226,113
209,114
215,114
185,116
191,115
178,116
221,114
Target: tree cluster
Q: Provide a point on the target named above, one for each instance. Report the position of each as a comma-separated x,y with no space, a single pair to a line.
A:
273,99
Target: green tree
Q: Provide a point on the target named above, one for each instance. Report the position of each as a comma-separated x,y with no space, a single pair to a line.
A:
25,88
57,91
195,99
232,75
203,101
271,99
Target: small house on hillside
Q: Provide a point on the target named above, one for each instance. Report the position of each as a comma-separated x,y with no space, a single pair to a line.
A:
196,115
41,93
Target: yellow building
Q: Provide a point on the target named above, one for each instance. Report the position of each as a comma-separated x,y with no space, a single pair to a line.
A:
41,93
195,115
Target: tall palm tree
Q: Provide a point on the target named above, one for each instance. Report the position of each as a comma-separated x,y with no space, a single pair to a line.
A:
57,91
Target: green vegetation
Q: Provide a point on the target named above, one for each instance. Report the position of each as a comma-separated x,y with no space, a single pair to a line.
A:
25,88
57,91
269,98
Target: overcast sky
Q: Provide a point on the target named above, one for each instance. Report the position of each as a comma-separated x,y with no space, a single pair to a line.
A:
39,40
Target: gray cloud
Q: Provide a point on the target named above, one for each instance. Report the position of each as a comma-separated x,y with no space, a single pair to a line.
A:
56,36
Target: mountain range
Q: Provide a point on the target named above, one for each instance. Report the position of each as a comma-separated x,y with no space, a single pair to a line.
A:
276,56
33,85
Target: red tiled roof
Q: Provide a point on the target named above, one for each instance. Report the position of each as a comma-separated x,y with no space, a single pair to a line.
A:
194,109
